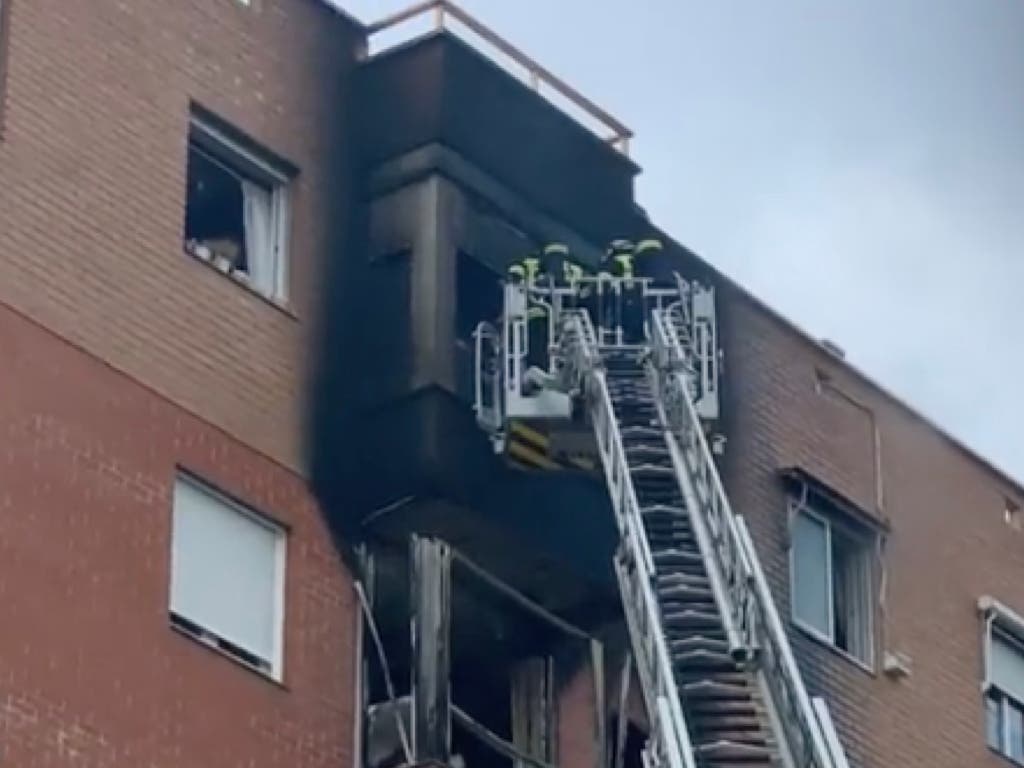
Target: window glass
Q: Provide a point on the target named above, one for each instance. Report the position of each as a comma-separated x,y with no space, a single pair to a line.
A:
1014,733
811,582
1007,665
994,722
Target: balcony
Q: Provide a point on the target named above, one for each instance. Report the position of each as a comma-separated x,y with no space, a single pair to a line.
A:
463,164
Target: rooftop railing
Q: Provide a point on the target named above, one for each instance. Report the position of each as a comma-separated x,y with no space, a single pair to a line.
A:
444,15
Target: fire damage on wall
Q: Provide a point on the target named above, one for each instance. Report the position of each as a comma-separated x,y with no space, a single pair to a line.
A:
460,668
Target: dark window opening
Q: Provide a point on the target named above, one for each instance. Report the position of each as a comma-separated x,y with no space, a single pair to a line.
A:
213,213
479,296
236,208
486,696
478,299
636,738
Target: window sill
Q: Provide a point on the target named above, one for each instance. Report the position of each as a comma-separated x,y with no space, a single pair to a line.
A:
1004,757
263,674
281,306
821,639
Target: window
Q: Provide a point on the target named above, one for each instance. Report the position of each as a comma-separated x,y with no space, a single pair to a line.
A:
479,296
227,576
236,213
830,568
1004,681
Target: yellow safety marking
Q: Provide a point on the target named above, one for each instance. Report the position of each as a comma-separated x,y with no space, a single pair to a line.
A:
531,456
530,435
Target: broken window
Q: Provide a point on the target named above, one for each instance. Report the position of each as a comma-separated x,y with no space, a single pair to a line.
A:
831,582
485,674
236,212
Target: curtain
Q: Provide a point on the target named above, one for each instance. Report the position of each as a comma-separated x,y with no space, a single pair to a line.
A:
853,585
260,236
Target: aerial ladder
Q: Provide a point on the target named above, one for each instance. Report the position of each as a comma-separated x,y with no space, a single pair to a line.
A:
719,679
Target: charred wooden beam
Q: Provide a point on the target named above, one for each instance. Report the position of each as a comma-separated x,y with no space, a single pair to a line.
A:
494,741
431,649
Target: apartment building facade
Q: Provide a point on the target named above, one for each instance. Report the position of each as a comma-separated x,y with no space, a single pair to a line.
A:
241,261
139,379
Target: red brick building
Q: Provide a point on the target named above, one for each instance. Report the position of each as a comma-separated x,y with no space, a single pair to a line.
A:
128,364
201,206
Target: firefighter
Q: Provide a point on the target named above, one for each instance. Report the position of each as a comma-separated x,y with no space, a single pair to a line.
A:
601,306
573,274
554,257
533,266
565,271
628,298
516,273
537,337
649,261
528,272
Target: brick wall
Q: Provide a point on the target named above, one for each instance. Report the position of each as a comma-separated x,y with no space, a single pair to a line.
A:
576,716
946,546
92,188
91,673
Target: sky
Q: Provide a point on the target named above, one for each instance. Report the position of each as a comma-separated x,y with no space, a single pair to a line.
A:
858,165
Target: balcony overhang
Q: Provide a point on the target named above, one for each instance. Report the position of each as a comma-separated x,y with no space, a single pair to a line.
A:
439,89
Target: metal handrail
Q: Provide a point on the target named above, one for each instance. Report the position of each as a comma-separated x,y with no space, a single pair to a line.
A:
487,381
670,735
751,601
537,73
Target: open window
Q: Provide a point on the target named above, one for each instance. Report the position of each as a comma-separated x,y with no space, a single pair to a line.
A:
236,213
1003,685
830,569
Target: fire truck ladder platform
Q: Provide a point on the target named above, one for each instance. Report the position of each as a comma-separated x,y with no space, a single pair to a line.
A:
721,686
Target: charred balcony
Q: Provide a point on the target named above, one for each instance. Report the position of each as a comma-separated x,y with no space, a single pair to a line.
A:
462,167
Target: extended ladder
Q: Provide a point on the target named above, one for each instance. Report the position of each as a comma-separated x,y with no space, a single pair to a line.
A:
719,679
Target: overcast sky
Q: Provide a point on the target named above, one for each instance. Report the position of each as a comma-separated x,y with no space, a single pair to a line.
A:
858,164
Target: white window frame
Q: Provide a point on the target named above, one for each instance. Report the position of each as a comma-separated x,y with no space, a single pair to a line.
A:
794,511
999,618
258,169
802,508
276,662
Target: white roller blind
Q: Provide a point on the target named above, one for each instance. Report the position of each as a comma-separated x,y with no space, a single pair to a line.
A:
811,583
225,570
1007,665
